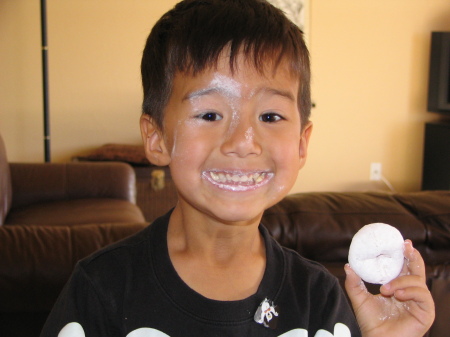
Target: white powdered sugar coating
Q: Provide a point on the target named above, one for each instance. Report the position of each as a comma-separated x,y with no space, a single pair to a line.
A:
227,86
376,253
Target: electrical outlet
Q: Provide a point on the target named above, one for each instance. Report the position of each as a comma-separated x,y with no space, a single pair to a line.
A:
375,171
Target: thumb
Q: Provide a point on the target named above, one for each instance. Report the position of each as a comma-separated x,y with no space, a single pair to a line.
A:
355,287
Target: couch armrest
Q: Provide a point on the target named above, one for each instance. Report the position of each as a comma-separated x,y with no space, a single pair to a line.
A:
39,182
36,261
439,286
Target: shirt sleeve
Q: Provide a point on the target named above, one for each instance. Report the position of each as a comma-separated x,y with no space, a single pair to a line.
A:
79,310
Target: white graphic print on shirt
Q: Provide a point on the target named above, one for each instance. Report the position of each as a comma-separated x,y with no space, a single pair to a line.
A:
76,330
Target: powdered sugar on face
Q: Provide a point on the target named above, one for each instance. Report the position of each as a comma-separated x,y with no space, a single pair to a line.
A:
249,134
232,90
229,87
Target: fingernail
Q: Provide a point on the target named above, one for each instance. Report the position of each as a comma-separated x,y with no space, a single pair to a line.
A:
347,268
386,286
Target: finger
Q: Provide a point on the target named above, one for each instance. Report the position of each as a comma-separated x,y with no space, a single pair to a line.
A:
414,264
419,302
402,282
355,287
417,294
412,275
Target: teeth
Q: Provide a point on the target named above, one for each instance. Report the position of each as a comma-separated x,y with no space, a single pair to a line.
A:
214,176
260,178
236,178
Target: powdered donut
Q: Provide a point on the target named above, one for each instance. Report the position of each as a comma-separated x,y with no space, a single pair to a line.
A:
376,253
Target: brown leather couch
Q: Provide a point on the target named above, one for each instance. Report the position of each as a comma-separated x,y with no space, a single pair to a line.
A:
51,215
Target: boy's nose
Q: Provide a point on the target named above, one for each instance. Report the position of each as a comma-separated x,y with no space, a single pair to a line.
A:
241,140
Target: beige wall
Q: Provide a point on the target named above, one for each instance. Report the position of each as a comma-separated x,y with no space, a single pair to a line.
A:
94,58
370,66
370,70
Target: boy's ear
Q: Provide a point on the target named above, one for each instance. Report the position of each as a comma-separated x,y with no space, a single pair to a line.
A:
304,142
154,145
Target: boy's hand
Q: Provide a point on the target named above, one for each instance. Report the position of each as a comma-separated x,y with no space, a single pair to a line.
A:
404,307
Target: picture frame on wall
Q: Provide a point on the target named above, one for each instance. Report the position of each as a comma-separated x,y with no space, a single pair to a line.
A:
297,11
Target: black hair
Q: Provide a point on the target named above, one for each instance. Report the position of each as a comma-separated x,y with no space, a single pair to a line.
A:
190,38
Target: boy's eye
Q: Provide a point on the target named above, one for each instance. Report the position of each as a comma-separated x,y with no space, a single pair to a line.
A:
270,117
210,116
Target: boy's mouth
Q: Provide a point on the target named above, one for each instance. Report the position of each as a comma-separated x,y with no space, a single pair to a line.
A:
237,181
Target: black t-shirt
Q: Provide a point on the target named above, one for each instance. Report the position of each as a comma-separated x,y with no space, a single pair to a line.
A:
131,289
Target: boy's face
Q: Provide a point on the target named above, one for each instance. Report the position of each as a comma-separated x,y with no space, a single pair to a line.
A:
233,141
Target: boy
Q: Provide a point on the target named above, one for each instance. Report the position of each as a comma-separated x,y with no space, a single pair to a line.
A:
226,106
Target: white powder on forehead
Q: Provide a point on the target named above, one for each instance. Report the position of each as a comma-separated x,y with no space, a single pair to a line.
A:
226,85
232,90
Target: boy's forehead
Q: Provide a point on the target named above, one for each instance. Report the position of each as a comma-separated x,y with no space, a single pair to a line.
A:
236,79
221,84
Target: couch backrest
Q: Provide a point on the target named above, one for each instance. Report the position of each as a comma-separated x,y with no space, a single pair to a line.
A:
320,226
5,183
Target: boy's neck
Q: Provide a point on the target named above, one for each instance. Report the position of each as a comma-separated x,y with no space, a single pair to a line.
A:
198,235
220,261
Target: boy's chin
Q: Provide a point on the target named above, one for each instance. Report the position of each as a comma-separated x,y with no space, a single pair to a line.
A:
238,214
238,219
233,209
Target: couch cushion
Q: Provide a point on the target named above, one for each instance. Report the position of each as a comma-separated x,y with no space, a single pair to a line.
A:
320,226
432,209
39,182
5,183
76,212
37,260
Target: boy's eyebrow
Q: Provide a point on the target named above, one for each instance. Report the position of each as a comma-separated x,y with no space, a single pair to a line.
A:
221,90
284,93
204,92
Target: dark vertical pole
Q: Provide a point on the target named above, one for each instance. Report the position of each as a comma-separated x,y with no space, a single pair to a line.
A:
45,81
